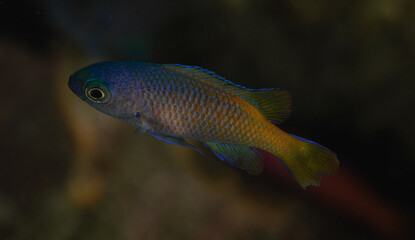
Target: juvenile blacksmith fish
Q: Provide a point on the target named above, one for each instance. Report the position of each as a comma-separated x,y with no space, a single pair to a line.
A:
176,102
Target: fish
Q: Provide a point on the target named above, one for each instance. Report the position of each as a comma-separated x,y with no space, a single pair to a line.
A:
176,103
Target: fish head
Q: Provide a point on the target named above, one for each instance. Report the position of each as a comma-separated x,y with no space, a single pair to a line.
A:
103,86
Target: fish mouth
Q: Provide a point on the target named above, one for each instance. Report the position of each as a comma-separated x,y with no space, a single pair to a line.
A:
74,87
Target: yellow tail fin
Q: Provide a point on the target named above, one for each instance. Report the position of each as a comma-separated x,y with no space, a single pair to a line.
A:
308,161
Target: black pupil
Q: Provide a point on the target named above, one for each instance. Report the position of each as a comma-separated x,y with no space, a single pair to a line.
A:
95,93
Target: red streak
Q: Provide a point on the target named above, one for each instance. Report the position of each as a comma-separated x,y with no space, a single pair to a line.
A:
346,194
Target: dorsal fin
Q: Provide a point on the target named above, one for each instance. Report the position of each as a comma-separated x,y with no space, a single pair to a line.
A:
274,104
206,76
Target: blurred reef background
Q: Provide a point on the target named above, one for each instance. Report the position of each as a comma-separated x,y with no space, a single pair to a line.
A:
70,172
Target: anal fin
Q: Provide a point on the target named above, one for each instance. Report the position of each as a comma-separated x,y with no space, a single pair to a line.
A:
245,157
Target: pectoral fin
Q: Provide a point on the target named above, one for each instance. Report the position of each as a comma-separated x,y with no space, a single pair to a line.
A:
141,124
245,157
139,131
175,141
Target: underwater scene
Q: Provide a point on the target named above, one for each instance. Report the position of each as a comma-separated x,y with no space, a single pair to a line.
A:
207,119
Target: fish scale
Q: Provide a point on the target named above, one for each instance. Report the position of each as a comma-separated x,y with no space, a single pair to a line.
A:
224,115
174,102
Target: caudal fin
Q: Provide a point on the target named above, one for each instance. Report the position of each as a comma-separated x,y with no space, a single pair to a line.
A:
309,161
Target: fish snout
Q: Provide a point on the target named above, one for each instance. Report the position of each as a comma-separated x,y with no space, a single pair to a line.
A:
74,86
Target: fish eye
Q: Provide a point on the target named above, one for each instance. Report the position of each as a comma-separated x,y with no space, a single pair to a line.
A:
97,91
96,94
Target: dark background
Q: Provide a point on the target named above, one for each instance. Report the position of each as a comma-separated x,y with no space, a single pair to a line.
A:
70,172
